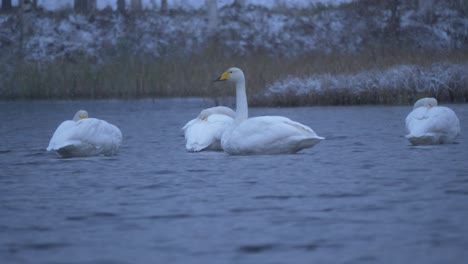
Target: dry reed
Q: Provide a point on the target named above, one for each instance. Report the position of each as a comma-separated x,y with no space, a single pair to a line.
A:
127,77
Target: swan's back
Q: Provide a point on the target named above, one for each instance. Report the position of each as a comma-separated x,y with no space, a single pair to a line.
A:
86,137
432,125
268,135
217,110
205,131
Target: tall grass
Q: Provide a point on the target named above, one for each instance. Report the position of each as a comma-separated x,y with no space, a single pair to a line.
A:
191,75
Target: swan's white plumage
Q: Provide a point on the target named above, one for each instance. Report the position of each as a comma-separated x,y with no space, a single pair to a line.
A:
430,124
268,135
204,132
425,102
264,134
83,137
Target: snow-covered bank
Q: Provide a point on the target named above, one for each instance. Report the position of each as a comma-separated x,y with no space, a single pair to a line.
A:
54,5
350,27
149,54
399,84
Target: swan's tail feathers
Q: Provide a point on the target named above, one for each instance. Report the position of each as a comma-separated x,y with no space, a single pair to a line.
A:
195,147
306,142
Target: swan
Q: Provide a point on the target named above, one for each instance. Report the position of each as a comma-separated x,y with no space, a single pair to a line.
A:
263,134
430,124
83,137
204,132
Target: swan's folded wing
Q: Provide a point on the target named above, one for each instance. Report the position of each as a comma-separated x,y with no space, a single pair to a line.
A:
444,120
61,135
201,133
96,132
189,124
267,131
416,120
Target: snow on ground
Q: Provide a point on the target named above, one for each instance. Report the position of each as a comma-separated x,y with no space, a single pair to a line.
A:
243,31
280,32
435,79
186,4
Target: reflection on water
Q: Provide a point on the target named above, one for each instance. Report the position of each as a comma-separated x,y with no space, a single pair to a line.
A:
364,195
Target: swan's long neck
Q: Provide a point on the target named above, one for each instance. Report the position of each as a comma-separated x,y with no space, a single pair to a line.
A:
242,111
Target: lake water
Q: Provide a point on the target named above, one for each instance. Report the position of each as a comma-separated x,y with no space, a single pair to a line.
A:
363,195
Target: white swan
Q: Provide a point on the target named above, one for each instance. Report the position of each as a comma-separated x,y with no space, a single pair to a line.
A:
264,134
83,137
205,131
429,124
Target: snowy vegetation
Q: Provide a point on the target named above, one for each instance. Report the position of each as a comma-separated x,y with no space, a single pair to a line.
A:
399,84
94,44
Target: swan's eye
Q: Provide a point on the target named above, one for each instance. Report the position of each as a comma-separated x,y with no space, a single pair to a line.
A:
230,72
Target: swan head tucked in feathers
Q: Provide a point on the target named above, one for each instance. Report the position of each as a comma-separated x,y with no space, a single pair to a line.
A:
426,102
222,110
82,114
232,74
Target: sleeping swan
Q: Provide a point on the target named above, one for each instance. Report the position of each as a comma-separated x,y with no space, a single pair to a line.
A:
264,134
205,131
429,124
83,137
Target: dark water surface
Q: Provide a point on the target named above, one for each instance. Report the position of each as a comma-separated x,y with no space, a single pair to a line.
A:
364,195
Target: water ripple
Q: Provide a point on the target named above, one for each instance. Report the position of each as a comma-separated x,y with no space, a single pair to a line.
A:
197,170
308,247
253,249
92,215
103,214
28,163
343,195
35,154
165,172
31,228
457,192
76,218
354,193
337,138
169,216
36,246
152,186
278,197
312,246
245,210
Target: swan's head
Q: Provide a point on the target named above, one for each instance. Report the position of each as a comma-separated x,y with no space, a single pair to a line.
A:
82,114
233,74
426,102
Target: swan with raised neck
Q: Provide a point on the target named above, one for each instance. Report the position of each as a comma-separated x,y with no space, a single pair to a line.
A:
237,76
262,134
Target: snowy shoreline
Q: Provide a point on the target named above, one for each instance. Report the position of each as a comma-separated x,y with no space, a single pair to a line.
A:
242,31
92,54
395,85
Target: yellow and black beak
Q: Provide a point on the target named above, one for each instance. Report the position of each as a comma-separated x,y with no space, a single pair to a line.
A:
223,77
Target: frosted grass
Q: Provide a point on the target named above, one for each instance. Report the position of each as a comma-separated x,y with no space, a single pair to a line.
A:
438,80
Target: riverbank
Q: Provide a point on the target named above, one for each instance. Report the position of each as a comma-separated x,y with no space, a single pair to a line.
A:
315,79
347,54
